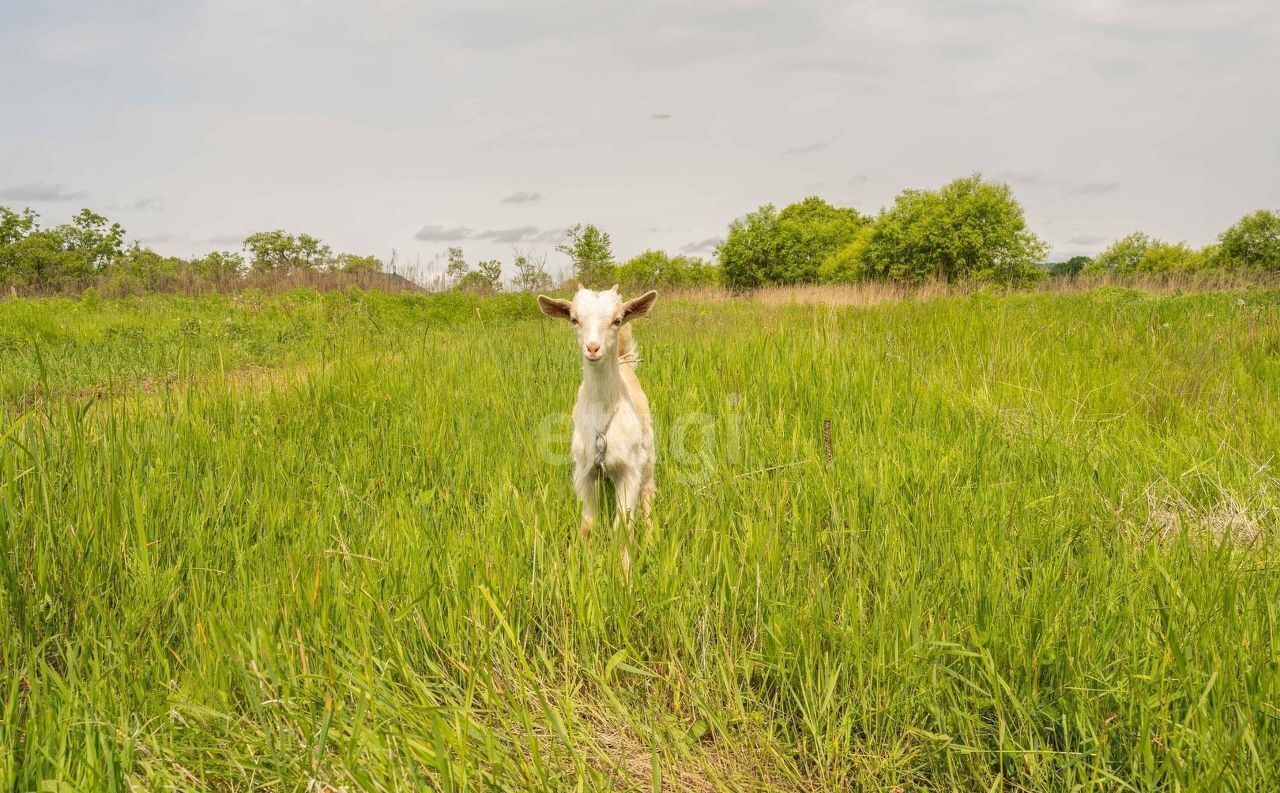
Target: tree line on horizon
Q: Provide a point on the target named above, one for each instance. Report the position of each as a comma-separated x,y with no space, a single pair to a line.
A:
90,252
969,230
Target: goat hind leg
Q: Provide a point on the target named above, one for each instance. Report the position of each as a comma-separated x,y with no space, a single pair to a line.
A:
630,490
647,491
630,494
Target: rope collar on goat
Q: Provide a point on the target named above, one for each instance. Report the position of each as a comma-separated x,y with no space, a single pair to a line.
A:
601,444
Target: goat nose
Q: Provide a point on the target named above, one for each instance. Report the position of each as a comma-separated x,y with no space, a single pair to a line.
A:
592,348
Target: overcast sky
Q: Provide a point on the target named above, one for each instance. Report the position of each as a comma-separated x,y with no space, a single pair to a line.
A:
416,126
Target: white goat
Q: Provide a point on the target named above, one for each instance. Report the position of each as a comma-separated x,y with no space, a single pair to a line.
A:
612,429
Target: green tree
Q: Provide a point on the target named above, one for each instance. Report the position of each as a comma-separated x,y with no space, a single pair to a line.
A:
283,253
770,247
642,270
531,273
475,283
655,268
98,238
848,264
1070,268
41,261
491,271
968,229
219,267
751,254
1164,257
591,252
457,265
16,225
1123,256
140,270
1252,243
353,264
1138,253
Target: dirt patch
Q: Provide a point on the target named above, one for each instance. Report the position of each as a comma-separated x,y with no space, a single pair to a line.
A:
1171,515
714,766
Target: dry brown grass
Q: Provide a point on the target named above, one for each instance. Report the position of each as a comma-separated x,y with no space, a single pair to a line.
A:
1164,283
874,293
1172,515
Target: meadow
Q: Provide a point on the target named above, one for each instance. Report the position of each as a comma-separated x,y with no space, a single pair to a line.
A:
328,542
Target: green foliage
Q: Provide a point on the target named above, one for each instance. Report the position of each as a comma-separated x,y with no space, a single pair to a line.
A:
655,268
491,271
141,270
849,264
90,250
16,225
1070,268
486,279
475,283
1252,243
531,273
1125,255
457,265
59,259
1165,257
968,229
1139,254
767,247
282,253
220,267
98,238
41,260
749,254
352,264
591,252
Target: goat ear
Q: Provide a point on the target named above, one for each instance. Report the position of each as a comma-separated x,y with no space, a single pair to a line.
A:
555,307
614,289
639,306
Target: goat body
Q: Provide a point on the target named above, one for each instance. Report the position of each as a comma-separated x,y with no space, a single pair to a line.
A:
612,427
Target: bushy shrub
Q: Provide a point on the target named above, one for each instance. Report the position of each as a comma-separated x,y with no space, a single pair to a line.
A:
1252,243
1138,254
768,247
655,268
968,229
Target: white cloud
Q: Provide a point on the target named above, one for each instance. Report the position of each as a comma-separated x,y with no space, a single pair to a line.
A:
808,148
701,246
41,191
434,232
522,197
516,234
140,205
1097,188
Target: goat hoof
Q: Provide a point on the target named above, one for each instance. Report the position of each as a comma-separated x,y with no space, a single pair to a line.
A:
584,530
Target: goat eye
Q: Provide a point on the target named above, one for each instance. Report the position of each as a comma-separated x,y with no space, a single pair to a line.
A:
574,320
617,322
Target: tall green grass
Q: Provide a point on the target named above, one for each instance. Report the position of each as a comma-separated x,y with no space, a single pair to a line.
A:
1042,554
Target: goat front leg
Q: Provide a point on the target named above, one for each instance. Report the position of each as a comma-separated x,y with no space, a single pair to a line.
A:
629,487
585,480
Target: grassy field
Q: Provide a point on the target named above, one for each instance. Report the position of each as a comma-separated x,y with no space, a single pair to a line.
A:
324,542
